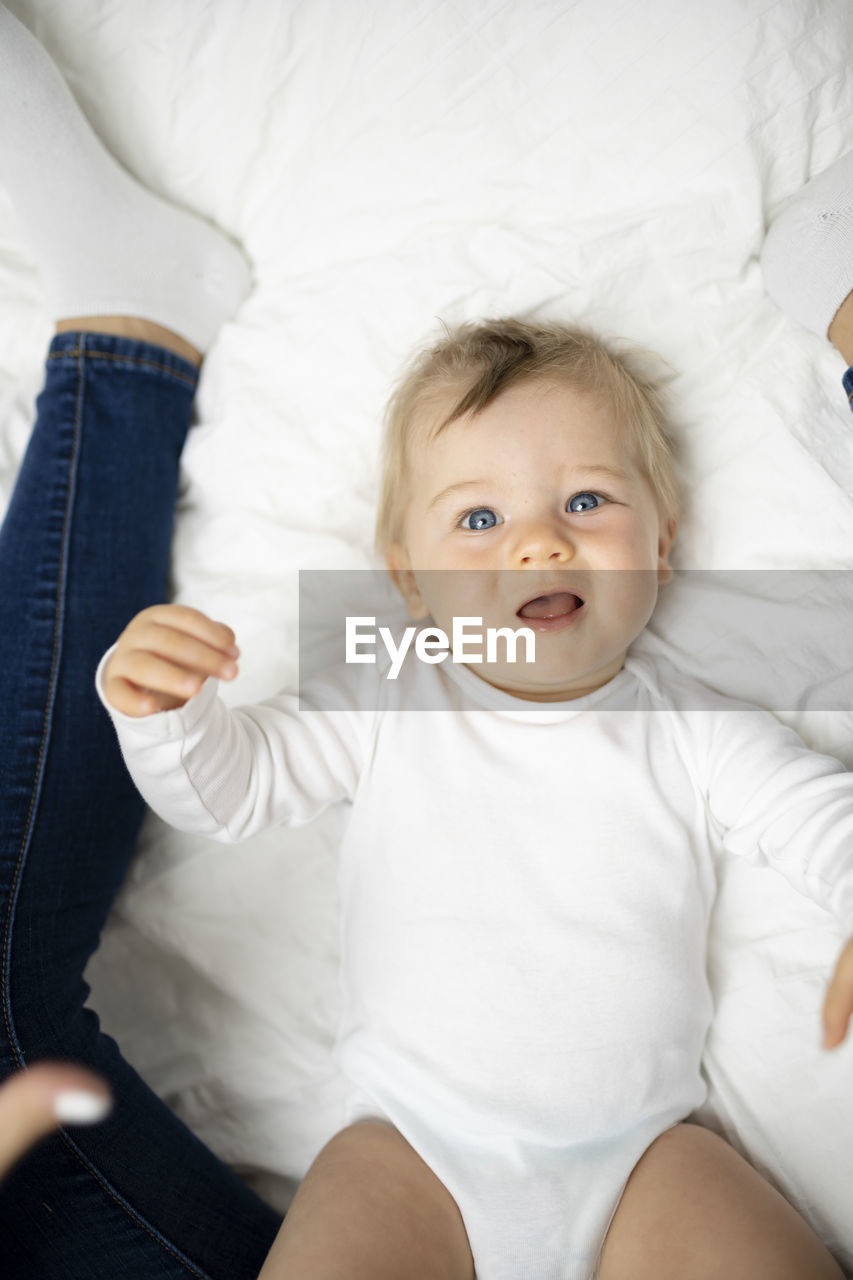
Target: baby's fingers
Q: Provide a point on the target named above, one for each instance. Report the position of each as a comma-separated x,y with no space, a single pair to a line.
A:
131,700
163,657
196,655
838,1004
139,683
181,620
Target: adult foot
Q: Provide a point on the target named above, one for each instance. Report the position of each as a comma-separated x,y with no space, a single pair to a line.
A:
105,245
807,257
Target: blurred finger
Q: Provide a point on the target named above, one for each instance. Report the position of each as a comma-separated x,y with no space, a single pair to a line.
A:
36,1101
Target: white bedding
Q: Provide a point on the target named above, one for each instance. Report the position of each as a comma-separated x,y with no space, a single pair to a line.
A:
386,164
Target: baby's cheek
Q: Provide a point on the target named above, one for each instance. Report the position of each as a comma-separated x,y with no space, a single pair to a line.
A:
630,595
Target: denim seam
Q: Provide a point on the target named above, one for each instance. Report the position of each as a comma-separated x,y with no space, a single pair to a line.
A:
81,352
129,1210
111,355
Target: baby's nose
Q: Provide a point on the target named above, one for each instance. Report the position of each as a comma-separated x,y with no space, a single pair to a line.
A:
543,544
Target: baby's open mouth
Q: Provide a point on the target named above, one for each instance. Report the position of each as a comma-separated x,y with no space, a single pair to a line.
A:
556,605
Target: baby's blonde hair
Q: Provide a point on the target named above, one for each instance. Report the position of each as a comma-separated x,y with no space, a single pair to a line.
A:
474,362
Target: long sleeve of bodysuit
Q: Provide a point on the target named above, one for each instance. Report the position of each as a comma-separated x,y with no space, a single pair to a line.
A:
772,797
229,774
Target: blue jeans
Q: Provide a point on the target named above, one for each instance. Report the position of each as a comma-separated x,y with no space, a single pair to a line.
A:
84,546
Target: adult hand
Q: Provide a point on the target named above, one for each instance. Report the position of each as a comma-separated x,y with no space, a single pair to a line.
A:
838,1004
36,1101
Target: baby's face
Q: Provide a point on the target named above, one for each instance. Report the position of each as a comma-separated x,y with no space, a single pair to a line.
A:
534,497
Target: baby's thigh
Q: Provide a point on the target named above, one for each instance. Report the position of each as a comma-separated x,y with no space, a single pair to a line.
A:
693,1209
369,1208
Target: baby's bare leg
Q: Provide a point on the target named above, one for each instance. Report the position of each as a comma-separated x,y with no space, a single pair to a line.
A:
370,1209
693,1209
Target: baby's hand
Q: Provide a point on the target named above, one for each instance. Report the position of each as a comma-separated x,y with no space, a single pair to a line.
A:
838,1004
164,656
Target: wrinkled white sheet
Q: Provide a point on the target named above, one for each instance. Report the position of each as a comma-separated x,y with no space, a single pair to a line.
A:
387,164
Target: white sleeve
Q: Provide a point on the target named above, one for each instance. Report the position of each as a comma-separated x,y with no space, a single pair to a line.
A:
229,774
770,793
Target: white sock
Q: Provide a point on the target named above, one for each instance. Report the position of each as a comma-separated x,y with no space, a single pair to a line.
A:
104,244
807,257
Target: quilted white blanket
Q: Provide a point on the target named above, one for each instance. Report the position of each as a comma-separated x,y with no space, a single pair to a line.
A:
387,164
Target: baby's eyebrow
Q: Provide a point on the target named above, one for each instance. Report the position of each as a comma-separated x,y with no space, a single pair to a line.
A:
598,469
451,488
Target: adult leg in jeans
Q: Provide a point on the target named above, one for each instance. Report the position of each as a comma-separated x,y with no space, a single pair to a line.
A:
84,546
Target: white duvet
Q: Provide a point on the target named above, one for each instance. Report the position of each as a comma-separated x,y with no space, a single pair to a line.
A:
388,164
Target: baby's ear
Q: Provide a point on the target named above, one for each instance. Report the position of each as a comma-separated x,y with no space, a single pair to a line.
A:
403,577
665,542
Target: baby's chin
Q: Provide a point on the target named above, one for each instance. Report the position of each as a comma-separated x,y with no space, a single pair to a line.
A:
531,689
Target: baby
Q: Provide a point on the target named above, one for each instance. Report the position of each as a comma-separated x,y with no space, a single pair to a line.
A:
526,878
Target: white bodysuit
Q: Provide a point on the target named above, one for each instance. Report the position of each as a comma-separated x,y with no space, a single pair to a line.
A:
526,890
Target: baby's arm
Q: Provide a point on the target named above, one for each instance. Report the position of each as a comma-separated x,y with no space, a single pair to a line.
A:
225,774
772,795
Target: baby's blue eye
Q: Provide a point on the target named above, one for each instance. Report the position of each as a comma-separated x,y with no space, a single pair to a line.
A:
482,518
588,499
